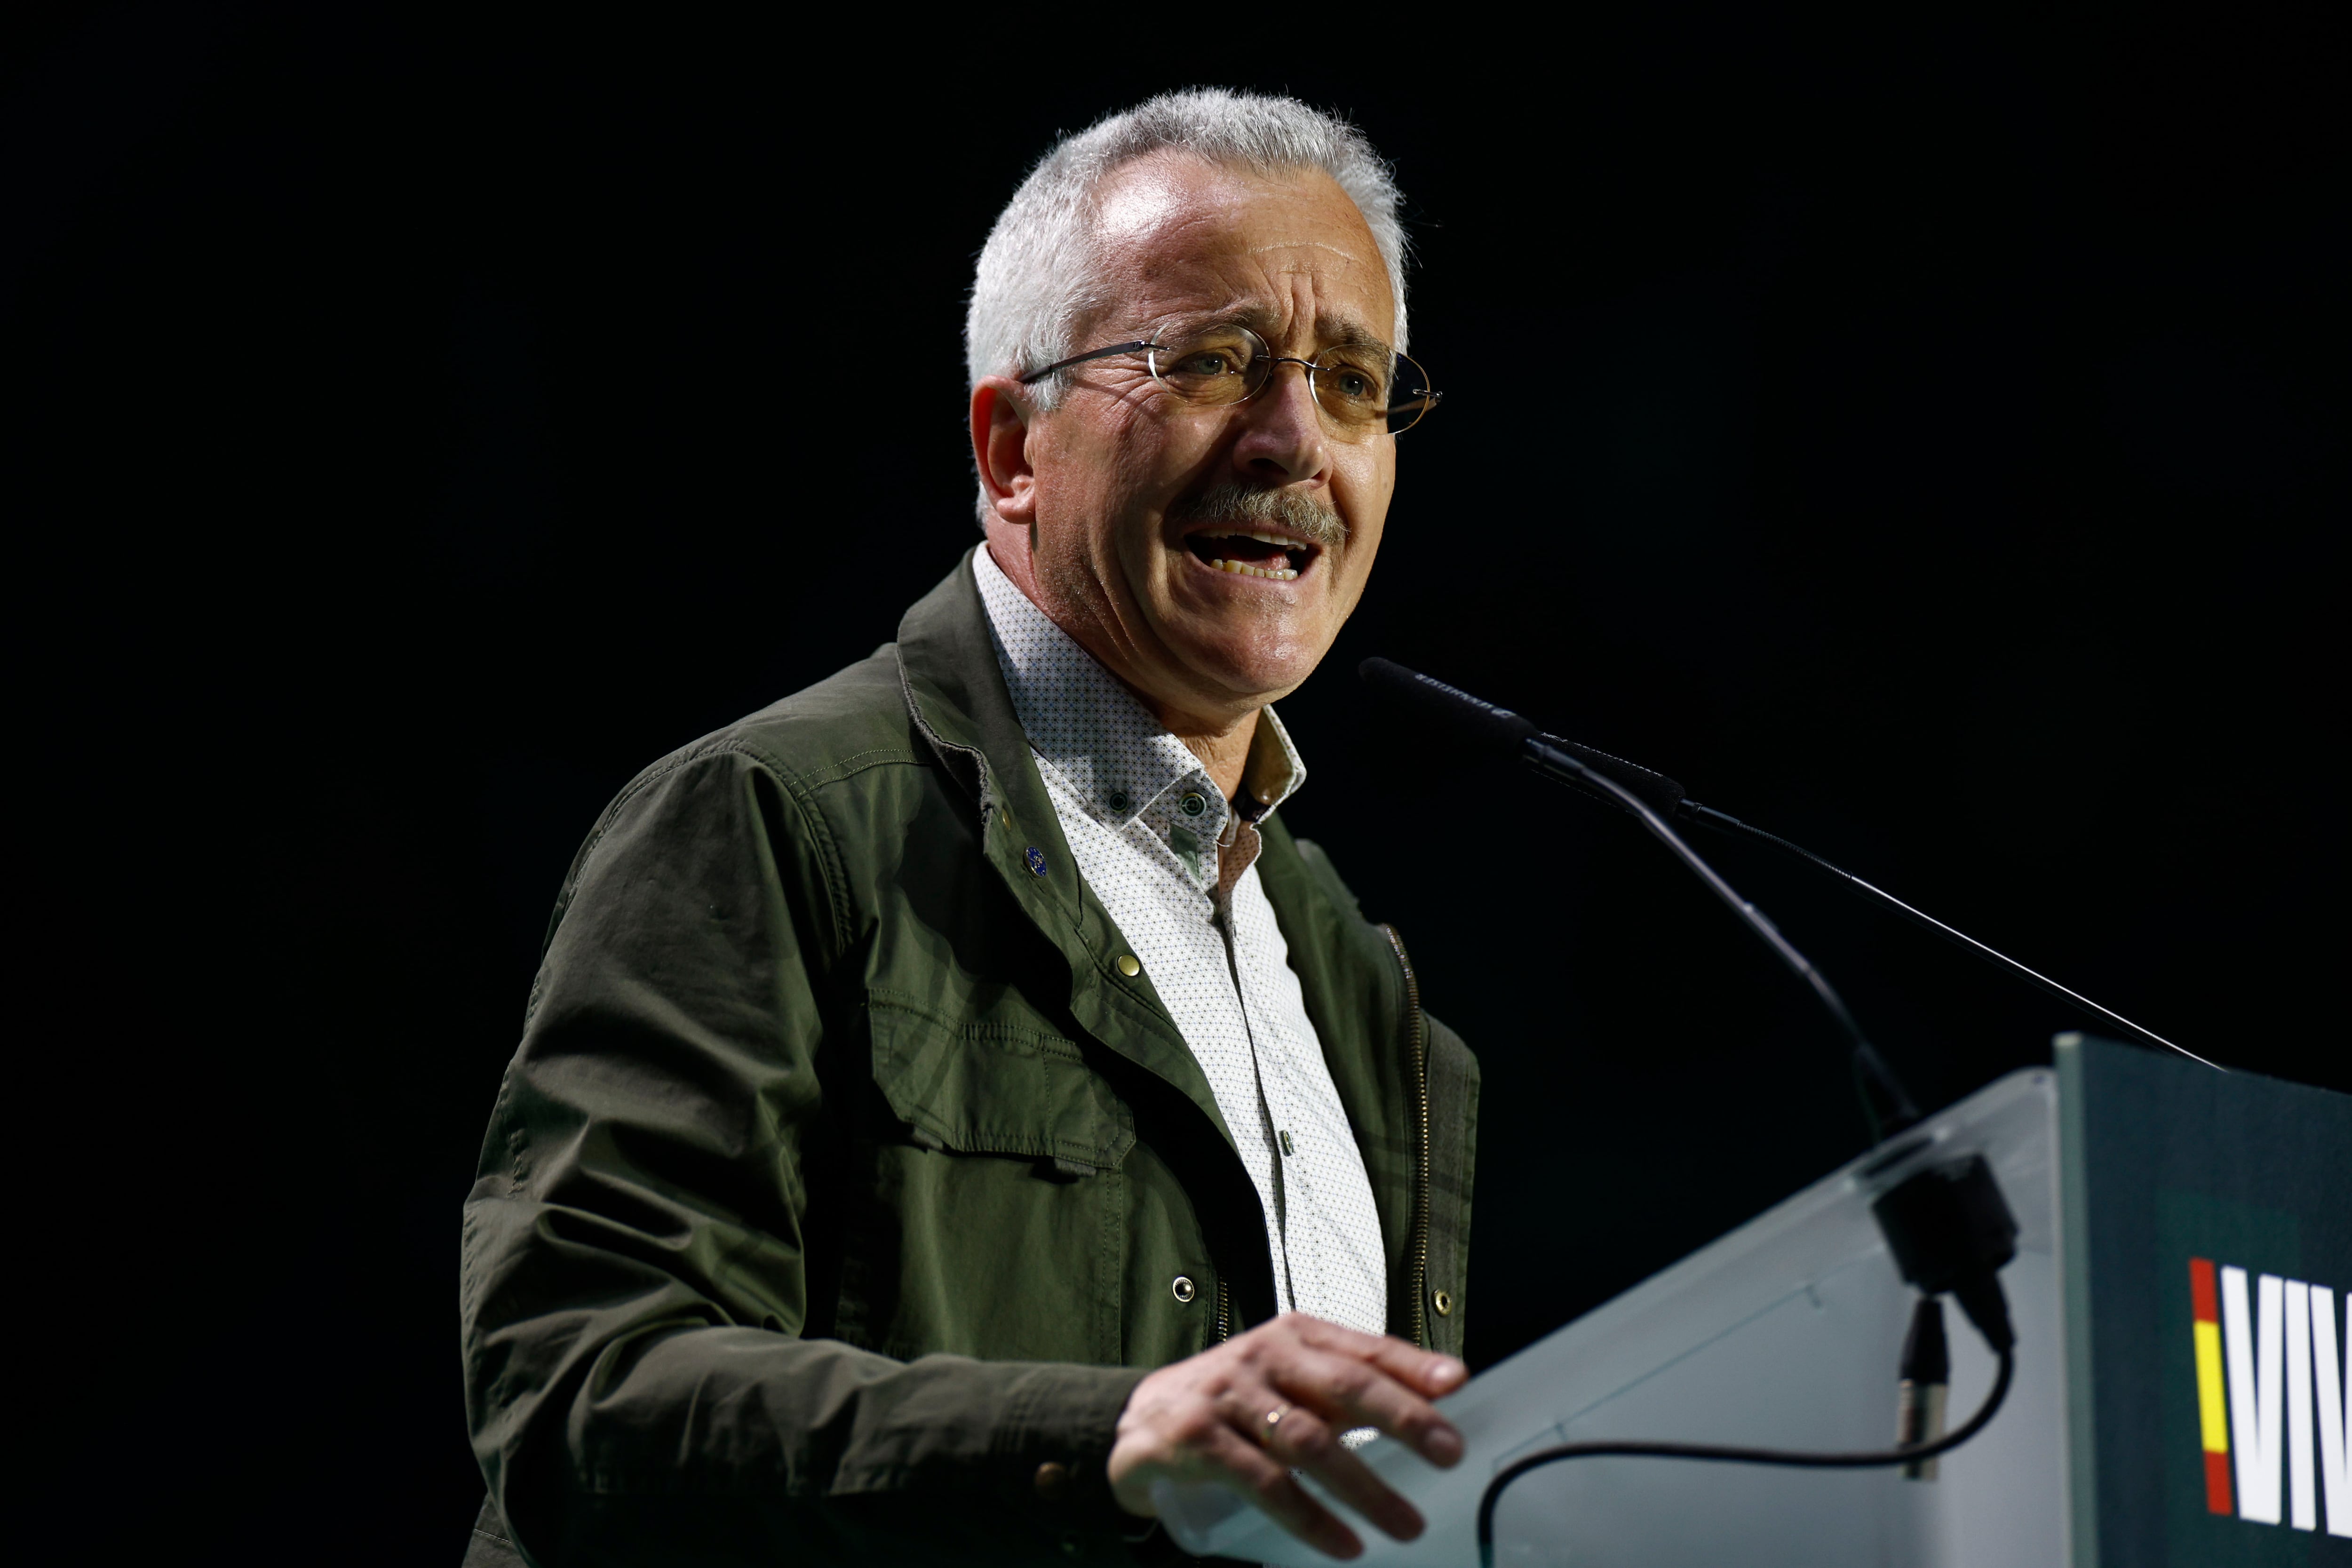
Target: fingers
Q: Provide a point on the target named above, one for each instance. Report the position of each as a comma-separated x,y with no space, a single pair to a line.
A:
1307,1442
1266,1481
1428,1372
1205,1418
1349,1392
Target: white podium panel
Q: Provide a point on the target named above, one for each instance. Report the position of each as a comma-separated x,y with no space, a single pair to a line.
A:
1785,1333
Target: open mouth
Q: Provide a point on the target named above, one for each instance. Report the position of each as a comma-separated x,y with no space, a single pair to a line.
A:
1249,553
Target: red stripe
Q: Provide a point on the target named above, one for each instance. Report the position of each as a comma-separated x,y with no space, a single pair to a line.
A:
2217,1481
2205,1300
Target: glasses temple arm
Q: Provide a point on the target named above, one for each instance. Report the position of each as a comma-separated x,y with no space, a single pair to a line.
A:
1081,358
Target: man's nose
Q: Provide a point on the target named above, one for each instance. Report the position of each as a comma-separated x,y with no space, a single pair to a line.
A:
1282,439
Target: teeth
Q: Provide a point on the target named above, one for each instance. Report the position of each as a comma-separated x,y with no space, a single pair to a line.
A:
1279,573
1274,539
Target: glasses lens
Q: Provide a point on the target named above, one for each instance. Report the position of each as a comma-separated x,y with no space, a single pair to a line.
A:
1221,364
1410,399
1351,382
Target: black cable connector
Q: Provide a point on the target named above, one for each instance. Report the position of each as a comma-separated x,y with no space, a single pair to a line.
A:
1924,1381
1950,1229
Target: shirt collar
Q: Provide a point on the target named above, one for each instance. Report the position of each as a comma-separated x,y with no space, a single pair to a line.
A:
1104,745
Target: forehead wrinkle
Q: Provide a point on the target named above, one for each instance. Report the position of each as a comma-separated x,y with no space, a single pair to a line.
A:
1266,317
1156,214
1298,244
1333,328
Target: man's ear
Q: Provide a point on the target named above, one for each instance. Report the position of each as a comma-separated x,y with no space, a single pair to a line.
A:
1000,448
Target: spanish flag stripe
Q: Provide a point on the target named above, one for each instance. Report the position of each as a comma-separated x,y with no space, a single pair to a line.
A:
2212,1420
2217,1484
2203,1295
2211,1427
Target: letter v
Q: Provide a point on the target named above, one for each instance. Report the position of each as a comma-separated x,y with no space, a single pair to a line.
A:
2257,1430
2335,1408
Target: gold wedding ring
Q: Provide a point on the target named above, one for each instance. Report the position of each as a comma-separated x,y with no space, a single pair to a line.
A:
1273,1419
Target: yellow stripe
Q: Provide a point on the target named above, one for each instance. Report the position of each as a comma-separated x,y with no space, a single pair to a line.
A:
2215,1426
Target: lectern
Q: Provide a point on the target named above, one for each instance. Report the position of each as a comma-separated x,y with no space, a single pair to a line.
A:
2183,1377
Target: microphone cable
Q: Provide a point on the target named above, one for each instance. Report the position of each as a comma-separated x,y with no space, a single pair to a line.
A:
1907,1454
1501,728
1723,822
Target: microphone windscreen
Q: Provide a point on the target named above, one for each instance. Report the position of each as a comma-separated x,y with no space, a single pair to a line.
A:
1481,724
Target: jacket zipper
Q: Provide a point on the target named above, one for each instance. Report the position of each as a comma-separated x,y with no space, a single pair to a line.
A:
1416,1042
1223,1330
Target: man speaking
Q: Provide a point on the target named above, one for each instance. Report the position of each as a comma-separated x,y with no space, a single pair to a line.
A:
951,1102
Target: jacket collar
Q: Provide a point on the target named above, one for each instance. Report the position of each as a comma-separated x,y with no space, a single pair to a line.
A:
957,698
1101,749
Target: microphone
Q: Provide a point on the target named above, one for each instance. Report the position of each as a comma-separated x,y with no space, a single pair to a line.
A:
1499,729
1885,1102
1947,1225
1480,722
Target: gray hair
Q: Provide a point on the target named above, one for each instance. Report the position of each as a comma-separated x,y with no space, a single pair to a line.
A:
1036,281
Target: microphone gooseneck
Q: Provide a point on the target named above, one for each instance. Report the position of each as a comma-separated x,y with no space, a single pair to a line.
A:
1888,1108
1885,1102
1947,1225
1666,796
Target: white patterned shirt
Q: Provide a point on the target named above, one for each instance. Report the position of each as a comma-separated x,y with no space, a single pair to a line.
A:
1149,828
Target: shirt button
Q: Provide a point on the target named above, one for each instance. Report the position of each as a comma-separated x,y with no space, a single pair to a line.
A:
1181,1288
1052,1480
1287,1147
1194,802
1127,966
1119,800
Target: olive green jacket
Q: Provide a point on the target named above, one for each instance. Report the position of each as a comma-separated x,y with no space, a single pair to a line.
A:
842,1185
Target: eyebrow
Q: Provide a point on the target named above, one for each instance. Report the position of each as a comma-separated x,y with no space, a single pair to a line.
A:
1331,331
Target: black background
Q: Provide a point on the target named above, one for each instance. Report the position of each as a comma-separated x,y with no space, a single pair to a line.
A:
1929,443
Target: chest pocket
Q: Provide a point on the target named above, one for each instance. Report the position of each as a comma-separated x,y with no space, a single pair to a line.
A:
990,1086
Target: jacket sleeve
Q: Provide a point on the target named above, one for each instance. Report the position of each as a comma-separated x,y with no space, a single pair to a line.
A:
638,1268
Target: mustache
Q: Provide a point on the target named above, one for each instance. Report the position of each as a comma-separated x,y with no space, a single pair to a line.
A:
1231,503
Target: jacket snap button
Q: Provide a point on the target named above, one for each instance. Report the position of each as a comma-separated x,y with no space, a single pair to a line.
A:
1127,966
1182,1289
1194,802
1444,1302
1036,859
1052,1480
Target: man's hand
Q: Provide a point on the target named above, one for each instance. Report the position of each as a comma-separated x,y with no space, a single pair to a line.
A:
1206,1418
